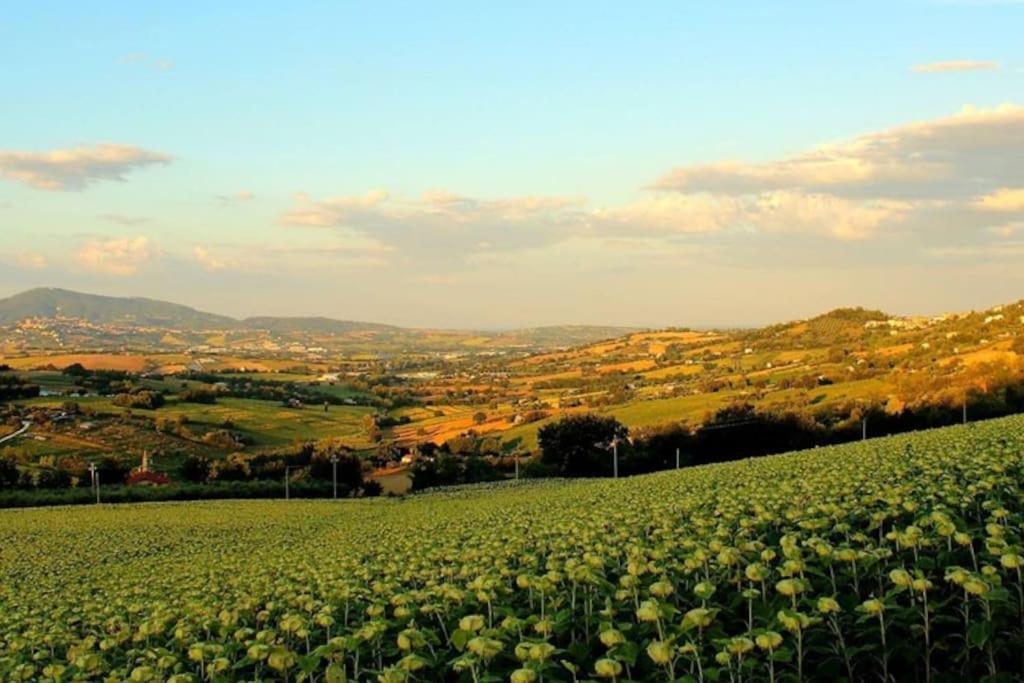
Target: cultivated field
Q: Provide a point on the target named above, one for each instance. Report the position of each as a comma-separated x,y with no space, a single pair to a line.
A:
265,423
893,559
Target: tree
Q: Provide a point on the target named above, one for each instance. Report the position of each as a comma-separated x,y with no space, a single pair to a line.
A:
479,417
112,470
580,445
76,370
232,468
8,472
195,468
350,467
372,428
148,400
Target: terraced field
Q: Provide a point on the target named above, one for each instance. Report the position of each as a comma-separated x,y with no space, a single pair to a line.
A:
893,559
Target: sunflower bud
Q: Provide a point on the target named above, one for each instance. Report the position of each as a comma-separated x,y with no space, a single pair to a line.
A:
607,668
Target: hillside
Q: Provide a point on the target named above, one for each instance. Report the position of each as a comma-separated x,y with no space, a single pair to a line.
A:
861,562
96,309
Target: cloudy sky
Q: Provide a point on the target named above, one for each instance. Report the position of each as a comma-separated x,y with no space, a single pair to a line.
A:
475,165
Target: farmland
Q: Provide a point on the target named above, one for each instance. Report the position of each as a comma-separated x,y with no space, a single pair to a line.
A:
894,558
477,397
262,422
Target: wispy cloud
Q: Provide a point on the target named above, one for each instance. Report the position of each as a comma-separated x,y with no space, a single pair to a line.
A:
33,260
143,59
1007,230
77,168
999,250
953,66
122,219
119,256
208,260
240,196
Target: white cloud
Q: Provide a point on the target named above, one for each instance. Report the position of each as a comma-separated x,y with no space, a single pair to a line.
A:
439,208
670,213
439,224
951,156
786,211
954,65
1003,199
119,256
442,226
75,169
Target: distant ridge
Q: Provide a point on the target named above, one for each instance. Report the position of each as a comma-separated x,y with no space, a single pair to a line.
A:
46,302
49,303
317,325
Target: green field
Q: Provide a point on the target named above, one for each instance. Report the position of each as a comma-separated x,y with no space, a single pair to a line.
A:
690,409
891,559
266,423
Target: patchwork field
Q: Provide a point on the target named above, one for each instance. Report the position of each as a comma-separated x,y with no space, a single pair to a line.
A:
264,422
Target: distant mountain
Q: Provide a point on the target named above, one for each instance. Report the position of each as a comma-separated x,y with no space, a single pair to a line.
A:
140,312
312,325
50,303
569,335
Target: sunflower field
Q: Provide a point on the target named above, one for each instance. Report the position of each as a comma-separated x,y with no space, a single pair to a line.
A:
895,559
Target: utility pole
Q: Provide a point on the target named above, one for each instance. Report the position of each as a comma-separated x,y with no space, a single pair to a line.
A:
965,408
677,458
287,476
615,461
517,465
864,429
334,471
95,480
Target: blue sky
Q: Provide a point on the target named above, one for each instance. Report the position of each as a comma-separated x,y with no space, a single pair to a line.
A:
470,164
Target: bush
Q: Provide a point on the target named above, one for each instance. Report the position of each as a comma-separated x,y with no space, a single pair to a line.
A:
199,395
222,438
148,400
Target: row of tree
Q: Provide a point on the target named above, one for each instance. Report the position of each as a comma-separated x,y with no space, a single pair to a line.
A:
582,445
312,463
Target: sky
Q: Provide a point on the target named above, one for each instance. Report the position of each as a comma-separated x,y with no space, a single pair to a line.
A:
495,165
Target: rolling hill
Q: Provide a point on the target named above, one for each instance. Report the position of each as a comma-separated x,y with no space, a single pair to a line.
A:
45,302
137,314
